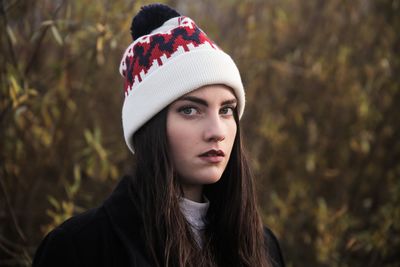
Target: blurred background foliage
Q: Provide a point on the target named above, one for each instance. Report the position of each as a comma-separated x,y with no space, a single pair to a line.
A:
321,126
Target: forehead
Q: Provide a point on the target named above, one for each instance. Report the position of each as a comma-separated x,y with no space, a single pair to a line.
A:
214,91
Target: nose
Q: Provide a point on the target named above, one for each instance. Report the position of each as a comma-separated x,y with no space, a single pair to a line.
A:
214,129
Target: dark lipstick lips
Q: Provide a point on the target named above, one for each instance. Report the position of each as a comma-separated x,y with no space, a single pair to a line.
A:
213,152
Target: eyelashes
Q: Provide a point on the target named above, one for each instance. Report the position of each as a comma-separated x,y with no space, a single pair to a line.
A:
187,110
227,110
190,110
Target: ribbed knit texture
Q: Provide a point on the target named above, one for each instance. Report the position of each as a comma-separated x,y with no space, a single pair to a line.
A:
195,214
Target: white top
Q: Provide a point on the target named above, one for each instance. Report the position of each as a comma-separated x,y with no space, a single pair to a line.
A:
195,214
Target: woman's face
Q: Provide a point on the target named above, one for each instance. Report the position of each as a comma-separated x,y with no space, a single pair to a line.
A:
201,129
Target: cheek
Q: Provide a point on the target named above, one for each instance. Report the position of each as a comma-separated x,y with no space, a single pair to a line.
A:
231,134
181,138
176,142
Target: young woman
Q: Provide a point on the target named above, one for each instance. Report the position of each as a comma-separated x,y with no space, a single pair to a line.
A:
190,200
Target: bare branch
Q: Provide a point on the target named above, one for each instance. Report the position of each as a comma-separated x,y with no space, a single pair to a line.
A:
11,211
40,40
9,42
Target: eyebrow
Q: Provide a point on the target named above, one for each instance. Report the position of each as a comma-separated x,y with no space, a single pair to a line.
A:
204,103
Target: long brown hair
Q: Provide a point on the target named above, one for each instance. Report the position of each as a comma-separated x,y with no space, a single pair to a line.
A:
234,235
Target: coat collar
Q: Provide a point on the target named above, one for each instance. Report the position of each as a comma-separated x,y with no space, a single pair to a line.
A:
124,218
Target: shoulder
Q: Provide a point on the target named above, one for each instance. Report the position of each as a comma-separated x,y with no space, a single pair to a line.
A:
62,245
82,227
106,236
273,248
110,235
88,222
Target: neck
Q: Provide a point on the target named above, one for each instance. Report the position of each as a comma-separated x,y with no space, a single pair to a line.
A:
193,192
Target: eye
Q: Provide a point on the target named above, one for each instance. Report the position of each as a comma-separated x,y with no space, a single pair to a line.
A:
228,110
188,110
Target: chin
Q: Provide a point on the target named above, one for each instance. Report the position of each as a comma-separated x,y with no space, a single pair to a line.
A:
211,181
210,178
201,176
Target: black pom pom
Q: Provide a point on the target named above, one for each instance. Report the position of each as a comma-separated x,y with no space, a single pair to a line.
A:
151,17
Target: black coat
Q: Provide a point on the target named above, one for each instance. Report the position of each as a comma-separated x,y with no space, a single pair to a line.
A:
107,236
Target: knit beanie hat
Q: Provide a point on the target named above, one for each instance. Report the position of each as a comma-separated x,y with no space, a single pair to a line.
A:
170,56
